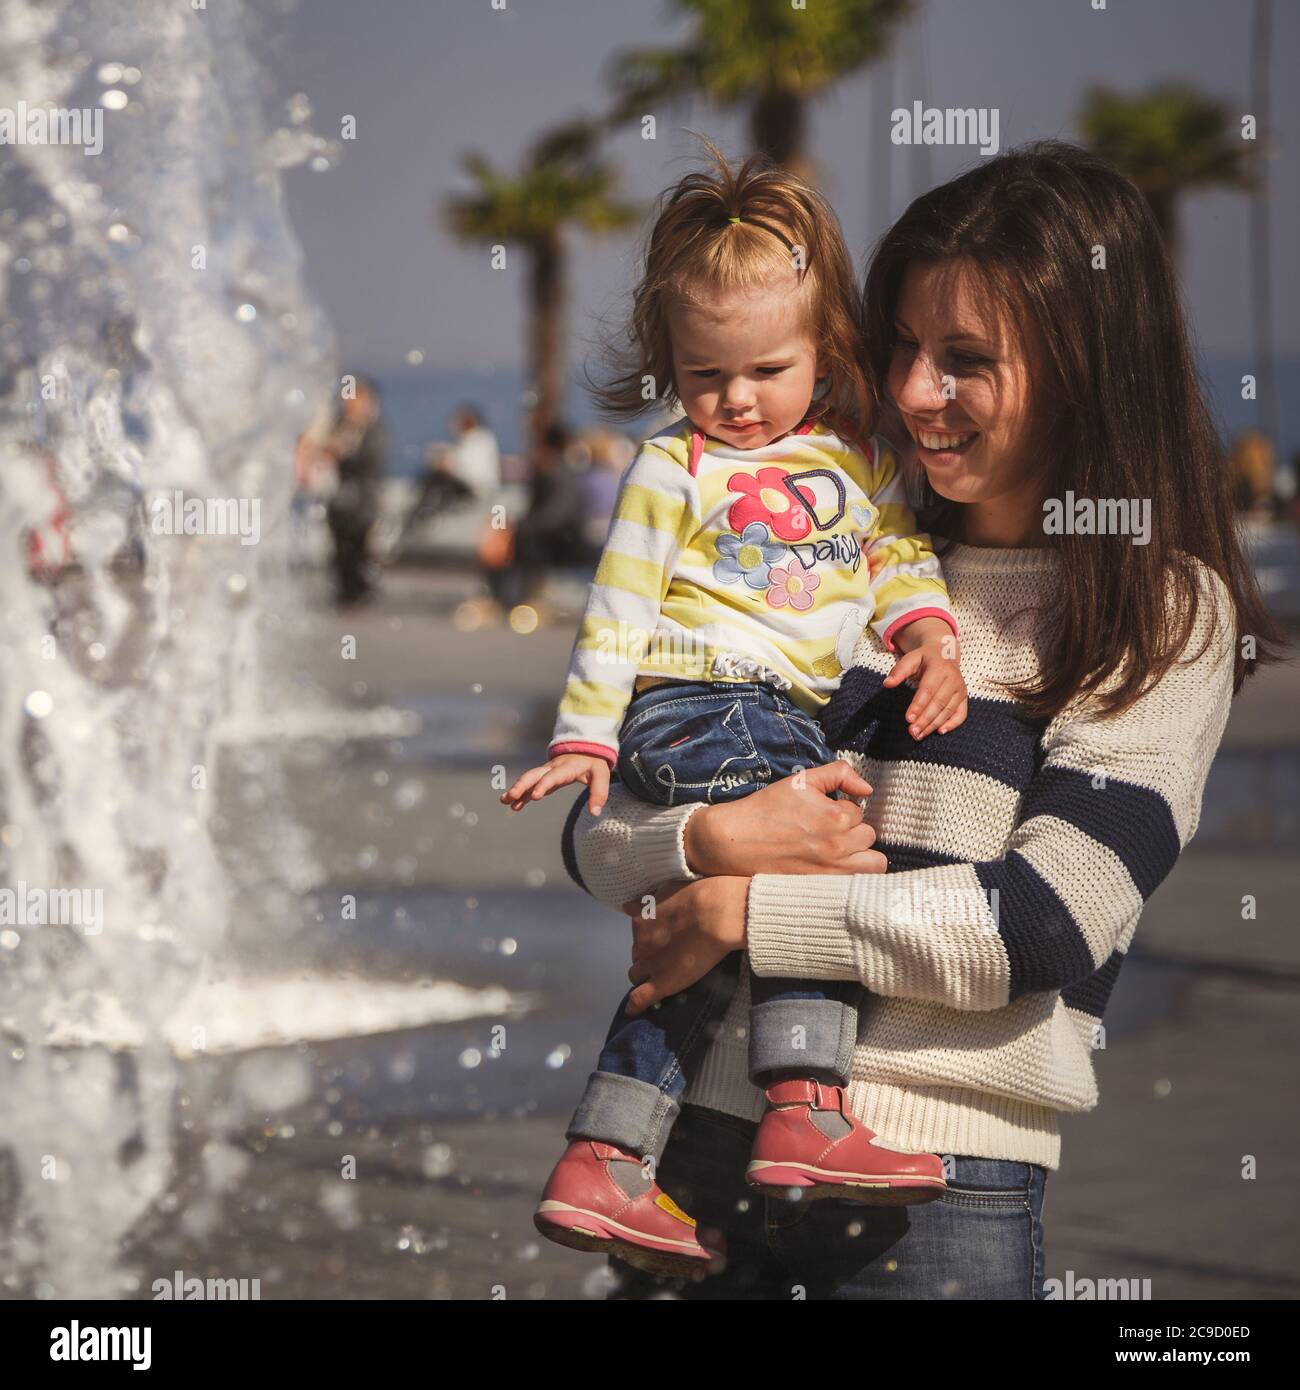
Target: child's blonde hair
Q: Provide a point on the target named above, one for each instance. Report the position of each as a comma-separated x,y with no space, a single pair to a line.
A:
724,230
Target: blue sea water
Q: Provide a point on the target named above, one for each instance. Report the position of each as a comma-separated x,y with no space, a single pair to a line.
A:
419,407
419,404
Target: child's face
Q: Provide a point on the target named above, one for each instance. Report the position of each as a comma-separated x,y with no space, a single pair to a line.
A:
746,366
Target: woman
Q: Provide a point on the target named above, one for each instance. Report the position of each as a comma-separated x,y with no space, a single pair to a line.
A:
1023,327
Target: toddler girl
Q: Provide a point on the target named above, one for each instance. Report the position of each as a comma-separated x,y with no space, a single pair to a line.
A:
748,548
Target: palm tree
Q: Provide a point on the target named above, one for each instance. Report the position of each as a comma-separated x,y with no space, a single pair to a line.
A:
1168,140
561,182
764,54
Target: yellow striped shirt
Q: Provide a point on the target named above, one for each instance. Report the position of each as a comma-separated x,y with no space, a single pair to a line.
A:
745,565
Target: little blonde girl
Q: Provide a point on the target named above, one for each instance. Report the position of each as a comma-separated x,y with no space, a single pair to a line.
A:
748,548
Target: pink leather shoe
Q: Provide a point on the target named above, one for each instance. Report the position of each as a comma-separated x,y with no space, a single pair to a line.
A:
811,1140
601,1199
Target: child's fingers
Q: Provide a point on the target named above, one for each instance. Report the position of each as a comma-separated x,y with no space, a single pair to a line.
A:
598,789
905,666
552,778
956,718
933,690
940,712
516,792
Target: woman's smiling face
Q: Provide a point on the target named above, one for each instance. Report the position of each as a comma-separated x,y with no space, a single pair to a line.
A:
961,381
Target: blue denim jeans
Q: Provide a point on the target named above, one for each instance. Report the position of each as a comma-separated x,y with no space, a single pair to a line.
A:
712,741
983,1239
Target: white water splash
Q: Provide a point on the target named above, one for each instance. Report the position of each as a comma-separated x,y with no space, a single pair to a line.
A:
153,336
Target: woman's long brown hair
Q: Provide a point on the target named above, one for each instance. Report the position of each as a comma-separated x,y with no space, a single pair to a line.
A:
1116,403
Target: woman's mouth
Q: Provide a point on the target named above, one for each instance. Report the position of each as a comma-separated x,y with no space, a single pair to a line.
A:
947,443
742,425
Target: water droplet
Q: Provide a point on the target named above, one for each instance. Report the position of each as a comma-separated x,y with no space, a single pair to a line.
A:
557,1057
114,99
508,946
409,794
470,1058
110,74
415,357
1163,1088
39,704
437,1161
246,313
535,878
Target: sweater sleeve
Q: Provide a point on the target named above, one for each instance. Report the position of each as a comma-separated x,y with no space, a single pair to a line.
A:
906,578
1099,827
655,514
629,849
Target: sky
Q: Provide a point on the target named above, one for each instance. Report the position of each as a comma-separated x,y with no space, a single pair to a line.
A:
428,80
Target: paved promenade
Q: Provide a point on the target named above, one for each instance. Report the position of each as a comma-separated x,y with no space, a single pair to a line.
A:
1185,1174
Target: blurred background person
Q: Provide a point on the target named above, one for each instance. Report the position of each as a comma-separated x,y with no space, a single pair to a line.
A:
358,446
551,532
467,471
1251,462
608,455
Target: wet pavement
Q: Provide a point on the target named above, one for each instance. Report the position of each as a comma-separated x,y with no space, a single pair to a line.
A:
424,882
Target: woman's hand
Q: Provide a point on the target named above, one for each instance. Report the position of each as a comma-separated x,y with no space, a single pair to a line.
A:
791,827
694,926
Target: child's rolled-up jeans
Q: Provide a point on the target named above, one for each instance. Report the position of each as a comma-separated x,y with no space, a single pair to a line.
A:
712,741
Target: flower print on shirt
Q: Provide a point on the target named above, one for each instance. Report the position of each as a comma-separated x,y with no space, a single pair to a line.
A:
792,584
748,556
766,499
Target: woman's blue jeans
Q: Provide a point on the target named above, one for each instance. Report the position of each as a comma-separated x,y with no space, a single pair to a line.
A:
712,741
983,1239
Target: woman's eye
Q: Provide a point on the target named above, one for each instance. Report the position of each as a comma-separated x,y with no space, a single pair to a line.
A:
904,345
770,371
969,361
704,373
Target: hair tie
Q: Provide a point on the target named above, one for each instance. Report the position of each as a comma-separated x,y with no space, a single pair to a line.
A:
733,219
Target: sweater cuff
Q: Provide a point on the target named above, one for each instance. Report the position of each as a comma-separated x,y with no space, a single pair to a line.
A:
797,926
661,847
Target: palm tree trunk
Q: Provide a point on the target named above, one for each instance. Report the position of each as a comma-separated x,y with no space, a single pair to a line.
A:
777,126
546,290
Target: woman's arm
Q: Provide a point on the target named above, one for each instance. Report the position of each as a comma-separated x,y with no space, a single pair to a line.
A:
1100,827
632,848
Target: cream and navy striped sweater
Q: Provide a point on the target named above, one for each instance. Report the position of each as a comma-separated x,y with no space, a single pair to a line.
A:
1020,856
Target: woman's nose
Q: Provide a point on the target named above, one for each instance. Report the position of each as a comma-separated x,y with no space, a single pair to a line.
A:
738,394
922,388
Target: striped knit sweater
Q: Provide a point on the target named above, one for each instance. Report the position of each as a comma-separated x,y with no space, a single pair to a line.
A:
764,564
1020,856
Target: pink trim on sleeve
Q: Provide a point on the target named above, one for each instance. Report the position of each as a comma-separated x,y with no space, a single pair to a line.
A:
913,616
590,750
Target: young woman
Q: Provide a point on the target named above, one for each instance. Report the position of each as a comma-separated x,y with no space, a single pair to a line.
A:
1023,328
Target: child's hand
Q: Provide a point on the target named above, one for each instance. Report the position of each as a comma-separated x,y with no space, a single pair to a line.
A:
538,782
940,700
